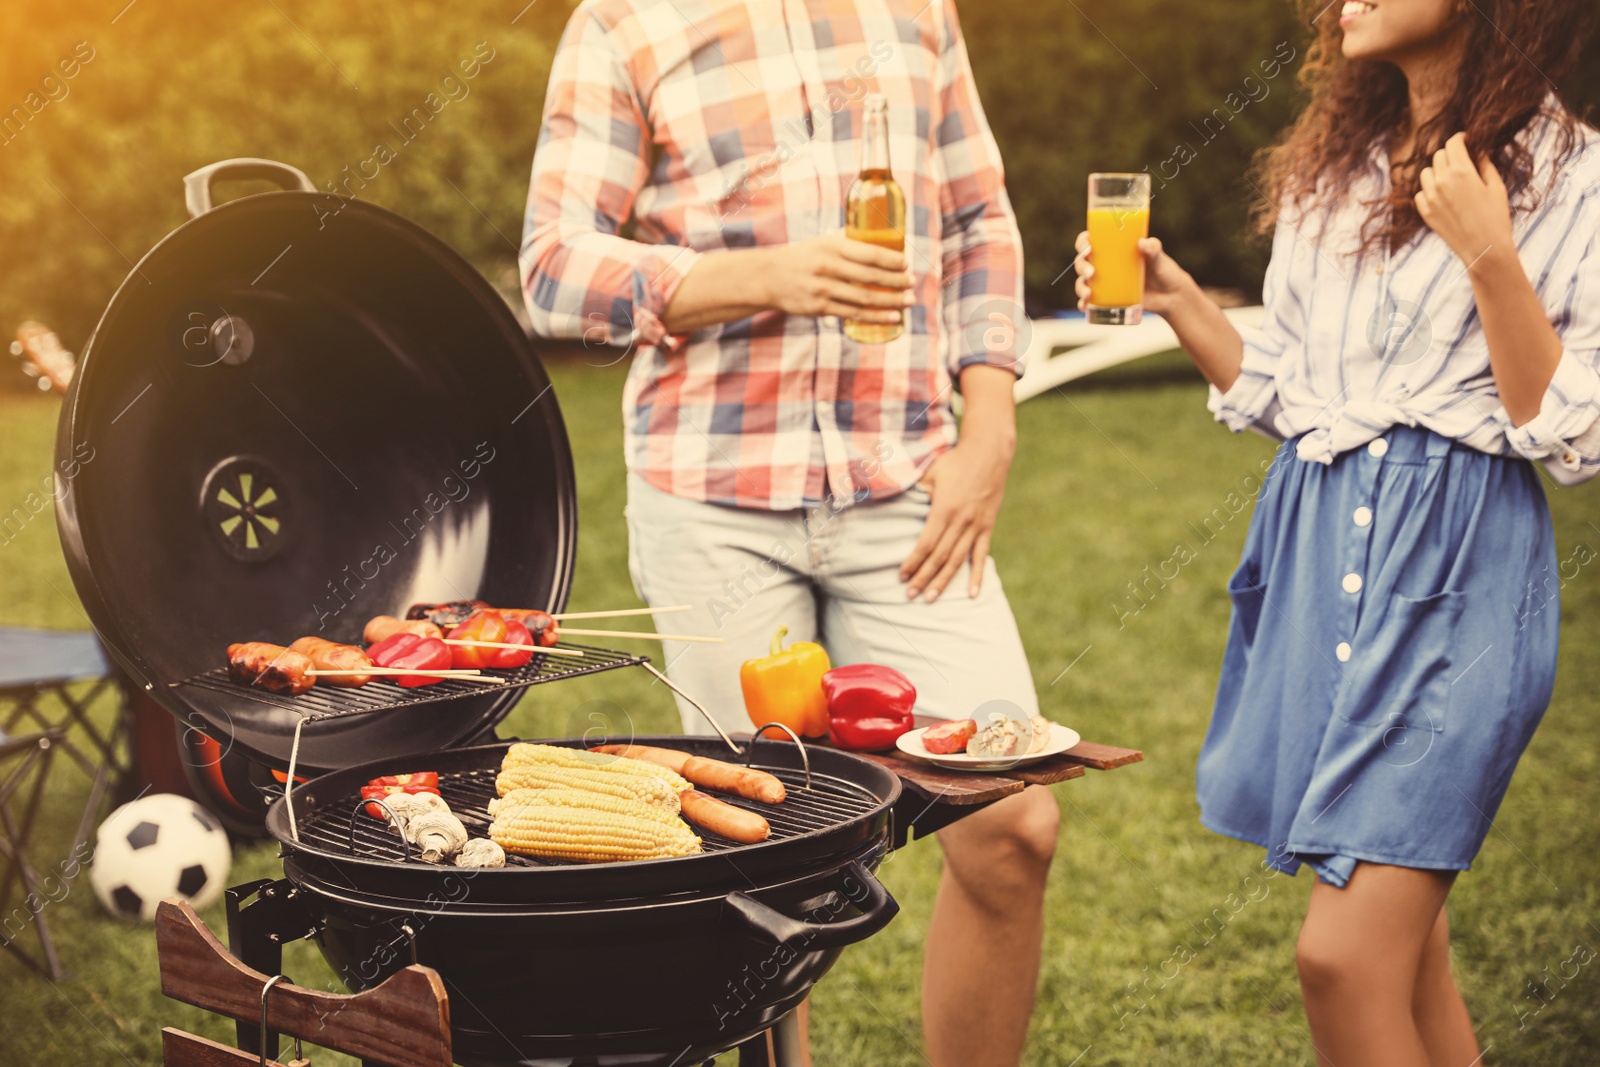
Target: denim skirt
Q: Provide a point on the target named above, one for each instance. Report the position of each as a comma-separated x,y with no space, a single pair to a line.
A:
1391,650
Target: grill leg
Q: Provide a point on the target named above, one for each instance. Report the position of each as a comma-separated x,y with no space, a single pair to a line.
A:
777,1047
786,1045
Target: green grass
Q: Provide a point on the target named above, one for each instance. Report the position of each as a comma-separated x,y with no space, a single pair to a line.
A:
1107,482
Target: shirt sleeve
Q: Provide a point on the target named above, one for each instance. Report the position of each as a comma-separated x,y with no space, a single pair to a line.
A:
1565,435
980,247
580,277
1251,402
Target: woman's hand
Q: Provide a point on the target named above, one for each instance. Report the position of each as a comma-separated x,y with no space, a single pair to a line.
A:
1164,280
835,275
1466,205
1201,327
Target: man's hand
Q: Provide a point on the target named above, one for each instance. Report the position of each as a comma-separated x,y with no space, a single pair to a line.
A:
967,484
834,275
1466,204
827,275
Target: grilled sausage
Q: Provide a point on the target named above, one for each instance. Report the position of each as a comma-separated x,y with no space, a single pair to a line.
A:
736,824
273,667
387,625
332,656
710,773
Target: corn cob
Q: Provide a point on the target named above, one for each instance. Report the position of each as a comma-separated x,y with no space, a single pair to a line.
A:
584,798
523,754
529,775
537,825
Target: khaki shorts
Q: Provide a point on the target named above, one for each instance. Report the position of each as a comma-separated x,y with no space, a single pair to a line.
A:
831,577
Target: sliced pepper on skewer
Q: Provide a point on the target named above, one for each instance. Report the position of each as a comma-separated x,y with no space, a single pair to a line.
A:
450,614
508,658
479,626
541,624
409,651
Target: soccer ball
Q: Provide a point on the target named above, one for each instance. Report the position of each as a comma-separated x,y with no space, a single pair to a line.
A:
157,847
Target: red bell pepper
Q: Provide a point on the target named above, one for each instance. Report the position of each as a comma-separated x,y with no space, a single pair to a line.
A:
869,706
426,779
377,790
479,626
541,624
507,658
410,651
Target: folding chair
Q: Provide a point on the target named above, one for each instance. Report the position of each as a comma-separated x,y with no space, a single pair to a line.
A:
24,769
405,1022
51,680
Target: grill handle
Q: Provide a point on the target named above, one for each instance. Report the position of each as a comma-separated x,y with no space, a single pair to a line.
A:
197,185
858,886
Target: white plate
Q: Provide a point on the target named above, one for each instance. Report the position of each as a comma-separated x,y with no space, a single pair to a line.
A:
1061,739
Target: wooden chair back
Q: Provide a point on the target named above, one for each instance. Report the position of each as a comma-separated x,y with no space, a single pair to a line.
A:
405,1022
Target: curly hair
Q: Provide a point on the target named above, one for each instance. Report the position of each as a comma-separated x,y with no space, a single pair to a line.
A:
1514,53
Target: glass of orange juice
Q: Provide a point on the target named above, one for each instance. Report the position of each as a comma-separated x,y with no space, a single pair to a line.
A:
1119,218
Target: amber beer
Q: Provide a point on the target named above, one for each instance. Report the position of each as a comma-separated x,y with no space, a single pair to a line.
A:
875,209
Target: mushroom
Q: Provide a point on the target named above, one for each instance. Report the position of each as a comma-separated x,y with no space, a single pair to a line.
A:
437,835
481,852
408,806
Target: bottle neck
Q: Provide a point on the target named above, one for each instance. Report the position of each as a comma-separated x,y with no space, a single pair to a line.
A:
875,143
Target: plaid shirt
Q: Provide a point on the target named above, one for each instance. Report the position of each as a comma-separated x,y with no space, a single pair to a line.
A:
673,128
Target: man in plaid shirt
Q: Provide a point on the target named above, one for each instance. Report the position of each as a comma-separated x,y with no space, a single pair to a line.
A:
687,200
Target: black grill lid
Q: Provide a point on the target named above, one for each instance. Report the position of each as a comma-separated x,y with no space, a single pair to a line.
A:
300,411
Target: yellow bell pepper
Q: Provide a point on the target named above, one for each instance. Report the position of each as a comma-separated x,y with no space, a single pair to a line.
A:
786,686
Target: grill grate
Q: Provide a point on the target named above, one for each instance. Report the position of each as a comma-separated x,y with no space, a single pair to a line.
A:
325,701
827,803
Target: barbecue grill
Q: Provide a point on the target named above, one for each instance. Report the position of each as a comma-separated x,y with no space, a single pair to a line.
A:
304,411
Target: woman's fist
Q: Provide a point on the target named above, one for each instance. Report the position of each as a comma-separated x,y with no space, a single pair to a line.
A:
1465,204
1163,278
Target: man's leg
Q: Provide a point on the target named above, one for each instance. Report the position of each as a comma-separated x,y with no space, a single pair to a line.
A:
981,967
742,573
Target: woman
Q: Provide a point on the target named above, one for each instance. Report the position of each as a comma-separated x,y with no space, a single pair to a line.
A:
1431,340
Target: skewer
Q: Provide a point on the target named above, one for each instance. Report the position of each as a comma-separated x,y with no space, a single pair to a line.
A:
644,635
458,675
620,612
508,644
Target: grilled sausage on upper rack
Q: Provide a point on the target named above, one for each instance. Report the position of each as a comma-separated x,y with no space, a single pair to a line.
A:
268,666
332,656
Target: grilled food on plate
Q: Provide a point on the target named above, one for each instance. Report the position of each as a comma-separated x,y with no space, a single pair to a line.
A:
1005,736
948,738
270,667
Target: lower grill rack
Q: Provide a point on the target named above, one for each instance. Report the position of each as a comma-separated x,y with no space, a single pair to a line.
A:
344,829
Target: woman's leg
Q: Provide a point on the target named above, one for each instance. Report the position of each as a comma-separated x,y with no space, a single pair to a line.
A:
1437,1006
1360,955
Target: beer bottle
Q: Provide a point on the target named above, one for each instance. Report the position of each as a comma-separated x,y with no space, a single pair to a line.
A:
875,209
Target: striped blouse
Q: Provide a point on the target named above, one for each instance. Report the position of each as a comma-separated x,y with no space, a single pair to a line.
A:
1353,345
